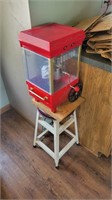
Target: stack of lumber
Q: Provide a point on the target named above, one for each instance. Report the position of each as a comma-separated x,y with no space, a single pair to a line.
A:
98,35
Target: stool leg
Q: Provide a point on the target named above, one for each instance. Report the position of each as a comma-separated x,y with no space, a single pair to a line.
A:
56,142
36,129
76,128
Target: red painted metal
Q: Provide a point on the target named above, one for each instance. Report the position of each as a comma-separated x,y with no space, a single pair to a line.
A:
54,100
51,40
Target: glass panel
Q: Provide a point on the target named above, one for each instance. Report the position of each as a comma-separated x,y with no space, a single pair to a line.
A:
37,70
65,69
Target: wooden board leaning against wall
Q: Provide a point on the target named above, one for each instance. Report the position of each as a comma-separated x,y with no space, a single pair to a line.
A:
94,115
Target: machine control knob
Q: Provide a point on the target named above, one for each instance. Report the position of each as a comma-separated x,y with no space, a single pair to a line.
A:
76,88
75,92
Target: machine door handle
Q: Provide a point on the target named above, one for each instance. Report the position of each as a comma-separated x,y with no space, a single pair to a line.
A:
42,98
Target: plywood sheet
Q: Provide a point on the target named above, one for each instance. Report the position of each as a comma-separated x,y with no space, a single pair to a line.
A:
107,55
93,25
89,35
96,110
89,50
103,46
103,43
106,17
85,24
101,37
98,34
100,51
94,45
91,44
63,110
104,25
109,31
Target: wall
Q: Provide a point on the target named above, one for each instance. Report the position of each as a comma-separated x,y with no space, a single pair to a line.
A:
0,32
3,95
62,11
16,17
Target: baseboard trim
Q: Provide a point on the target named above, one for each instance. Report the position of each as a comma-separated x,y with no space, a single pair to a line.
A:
5,109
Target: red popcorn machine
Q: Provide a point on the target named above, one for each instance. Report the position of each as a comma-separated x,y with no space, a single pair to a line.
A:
52,55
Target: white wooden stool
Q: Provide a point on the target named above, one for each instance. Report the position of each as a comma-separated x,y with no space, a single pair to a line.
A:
66,110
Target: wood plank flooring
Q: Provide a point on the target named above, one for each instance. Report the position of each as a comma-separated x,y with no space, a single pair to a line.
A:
29,173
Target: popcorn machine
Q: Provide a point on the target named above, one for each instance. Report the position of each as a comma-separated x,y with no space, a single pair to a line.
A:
52,55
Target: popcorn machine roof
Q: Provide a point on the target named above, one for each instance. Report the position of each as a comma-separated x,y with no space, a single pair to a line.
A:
51,40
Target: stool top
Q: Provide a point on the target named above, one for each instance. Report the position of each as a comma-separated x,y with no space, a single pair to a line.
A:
63,110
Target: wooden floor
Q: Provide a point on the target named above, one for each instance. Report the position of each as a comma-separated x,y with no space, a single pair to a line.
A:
29,173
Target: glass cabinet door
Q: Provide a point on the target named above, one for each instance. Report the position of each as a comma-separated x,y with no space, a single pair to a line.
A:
37,70
65,69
